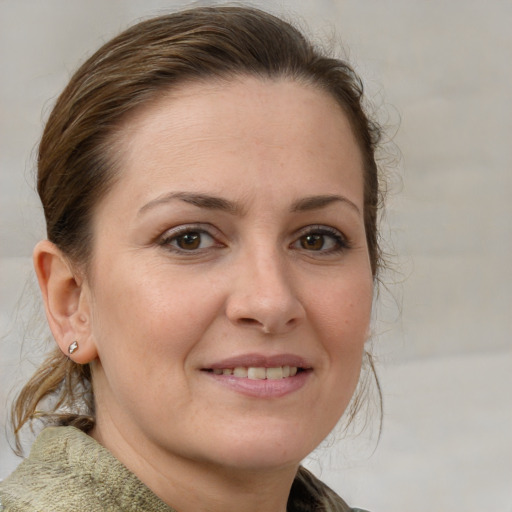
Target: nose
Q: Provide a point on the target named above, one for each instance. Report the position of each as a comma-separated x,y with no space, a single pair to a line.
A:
263,296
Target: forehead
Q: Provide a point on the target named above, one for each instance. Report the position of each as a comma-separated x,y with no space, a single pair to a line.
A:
249,127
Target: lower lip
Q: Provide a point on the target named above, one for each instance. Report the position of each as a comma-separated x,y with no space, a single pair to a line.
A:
263,388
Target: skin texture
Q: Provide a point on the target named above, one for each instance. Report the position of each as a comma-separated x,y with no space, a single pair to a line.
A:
268,277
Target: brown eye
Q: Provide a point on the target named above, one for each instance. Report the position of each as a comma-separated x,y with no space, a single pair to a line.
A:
312,242
189,241
324,240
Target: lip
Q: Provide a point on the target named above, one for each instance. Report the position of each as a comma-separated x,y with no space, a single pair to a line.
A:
265,388
262,361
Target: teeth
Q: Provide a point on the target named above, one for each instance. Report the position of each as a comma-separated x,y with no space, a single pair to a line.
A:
240,372
275,373
258,373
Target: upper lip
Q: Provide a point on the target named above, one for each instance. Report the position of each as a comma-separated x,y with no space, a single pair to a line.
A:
260,361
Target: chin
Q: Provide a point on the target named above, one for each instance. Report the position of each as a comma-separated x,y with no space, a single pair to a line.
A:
267,449
261,460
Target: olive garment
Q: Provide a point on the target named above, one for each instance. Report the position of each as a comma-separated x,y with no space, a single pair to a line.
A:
67,470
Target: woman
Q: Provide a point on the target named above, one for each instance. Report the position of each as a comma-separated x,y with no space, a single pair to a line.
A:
210,191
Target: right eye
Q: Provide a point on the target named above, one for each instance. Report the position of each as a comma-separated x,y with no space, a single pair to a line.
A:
188,239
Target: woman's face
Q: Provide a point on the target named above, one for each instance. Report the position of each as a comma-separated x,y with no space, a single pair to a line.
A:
230,288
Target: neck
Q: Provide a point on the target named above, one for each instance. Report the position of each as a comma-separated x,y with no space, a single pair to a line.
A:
201,486
215,489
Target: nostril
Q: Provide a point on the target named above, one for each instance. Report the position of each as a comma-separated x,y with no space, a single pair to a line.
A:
249,321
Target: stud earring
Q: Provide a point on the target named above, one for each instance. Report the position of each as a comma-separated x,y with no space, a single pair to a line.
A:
73,347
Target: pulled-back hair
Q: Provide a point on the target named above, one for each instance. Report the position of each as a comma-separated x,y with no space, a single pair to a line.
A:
77,165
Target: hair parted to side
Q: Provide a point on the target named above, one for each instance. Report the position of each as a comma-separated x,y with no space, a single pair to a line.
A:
77,165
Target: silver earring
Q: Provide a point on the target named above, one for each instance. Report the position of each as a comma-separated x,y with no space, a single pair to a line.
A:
73,347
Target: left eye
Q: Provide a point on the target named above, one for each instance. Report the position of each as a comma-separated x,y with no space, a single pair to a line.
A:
190,241
321,240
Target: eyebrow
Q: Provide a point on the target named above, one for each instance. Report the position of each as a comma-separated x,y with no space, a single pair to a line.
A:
218,203
199,200
316,202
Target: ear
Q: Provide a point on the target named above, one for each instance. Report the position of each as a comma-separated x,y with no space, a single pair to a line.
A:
67,302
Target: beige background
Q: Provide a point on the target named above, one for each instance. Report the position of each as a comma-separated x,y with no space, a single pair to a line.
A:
442,70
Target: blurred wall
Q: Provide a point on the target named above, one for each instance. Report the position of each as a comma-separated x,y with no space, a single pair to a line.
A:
440,73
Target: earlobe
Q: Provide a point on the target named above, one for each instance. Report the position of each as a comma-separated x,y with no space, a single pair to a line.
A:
66,303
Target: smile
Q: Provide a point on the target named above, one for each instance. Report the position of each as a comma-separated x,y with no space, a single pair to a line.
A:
261,376
258,372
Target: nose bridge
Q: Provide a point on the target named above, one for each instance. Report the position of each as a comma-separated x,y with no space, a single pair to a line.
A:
263,295
270,275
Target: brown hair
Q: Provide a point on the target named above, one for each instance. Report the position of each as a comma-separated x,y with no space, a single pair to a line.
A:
76,166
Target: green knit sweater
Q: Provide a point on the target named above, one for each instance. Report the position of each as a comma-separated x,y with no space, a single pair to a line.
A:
67,470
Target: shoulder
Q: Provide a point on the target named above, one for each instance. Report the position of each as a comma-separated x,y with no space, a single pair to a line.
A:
69,471
48,478
309,494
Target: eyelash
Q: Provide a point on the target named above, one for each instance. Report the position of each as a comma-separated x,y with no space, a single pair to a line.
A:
189,229
340,241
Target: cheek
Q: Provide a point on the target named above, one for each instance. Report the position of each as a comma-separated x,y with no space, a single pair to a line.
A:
153,318
342,317
346,310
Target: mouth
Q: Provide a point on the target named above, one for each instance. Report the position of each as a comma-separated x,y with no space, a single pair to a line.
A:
258,372
261,376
